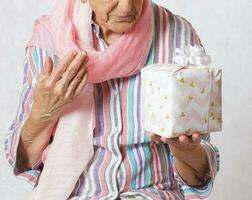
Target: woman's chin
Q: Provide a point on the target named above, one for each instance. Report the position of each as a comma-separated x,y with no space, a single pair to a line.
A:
121,26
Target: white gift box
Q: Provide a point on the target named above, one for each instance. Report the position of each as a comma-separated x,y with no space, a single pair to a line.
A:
181,99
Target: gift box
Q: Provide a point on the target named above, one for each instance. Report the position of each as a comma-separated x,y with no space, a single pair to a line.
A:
182,98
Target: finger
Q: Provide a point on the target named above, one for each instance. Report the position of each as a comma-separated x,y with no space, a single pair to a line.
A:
74,83
166,140
183,139
70,73
61,68
78,78
157,141
74,67
48,66
47,70
81,85
196,138
155,137
172,140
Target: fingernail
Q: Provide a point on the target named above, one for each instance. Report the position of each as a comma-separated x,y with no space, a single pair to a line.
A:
74,53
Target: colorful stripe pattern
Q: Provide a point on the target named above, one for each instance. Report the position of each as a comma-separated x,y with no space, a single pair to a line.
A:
126,163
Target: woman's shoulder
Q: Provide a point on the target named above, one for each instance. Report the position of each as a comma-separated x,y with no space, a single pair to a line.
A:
165,15
174,25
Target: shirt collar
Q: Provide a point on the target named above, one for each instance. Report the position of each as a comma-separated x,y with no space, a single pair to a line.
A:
96,28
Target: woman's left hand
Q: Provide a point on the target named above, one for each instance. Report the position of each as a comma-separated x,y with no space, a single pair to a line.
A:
181,144
190,156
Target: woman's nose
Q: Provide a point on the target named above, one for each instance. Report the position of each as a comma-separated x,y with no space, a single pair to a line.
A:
125,6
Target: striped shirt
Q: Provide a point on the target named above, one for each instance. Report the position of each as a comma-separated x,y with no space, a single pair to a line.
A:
126,162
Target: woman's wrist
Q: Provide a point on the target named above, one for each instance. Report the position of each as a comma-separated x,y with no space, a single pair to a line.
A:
35,129
33,140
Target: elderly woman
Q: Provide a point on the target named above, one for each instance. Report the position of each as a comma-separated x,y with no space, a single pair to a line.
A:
61,62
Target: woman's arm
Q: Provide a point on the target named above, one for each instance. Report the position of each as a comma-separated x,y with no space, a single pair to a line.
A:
50,91
52,95
15,145
23,129
195,159
192,165
31,146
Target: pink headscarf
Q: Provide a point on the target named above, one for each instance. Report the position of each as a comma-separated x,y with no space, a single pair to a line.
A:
69,28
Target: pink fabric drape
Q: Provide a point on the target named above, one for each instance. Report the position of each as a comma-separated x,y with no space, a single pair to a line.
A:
69,28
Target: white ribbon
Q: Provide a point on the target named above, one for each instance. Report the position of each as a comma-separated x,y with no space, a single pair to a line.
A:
191,55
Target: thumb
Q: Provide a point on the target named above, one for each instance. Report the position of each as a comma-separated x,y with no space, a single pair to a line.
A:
48,66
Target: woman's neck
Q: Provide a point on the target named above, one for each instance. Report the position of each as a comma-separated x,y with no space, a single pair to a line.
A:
107,35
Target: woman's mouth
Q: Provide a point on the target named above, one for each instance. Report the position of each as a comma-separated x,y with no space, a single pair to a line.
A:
126,18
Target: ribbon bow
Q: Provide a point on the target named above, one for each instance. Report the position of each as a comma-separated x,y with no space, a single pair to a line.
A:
191,55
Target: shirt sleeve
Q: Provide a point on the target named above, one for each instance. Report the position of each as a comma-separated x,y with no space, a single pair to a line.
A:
33,64
204,190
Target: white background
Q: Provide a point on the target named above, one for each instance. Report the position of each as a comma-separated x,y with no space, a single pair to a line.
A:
225,30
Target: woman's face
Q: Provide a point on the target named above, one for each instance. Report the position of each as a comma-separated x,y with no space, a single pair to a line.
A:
117,15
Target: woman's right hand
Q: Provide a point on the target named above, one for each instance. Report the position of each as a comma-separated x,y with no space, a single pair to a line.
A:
57,88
